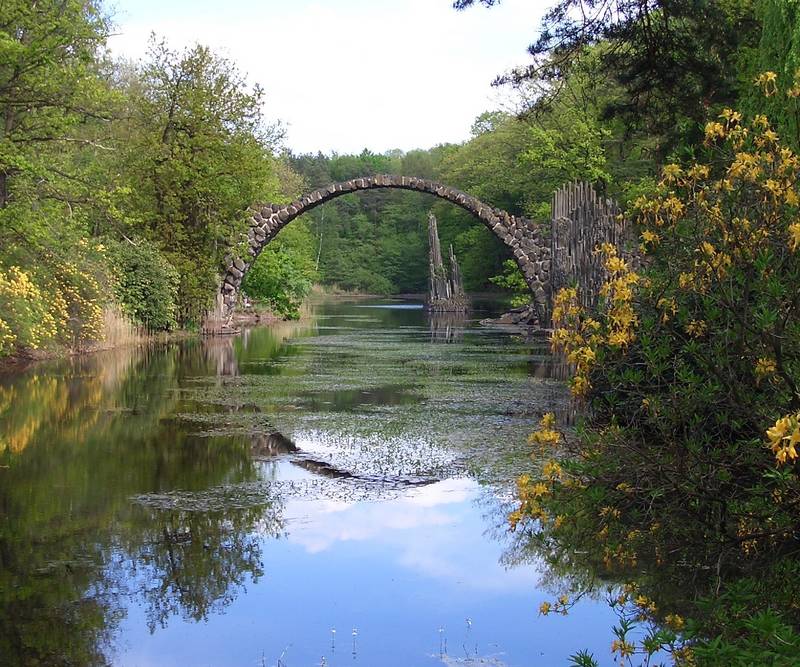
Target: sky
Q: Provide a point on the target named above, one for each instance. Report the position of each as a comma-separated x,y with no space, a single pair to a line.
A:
344,75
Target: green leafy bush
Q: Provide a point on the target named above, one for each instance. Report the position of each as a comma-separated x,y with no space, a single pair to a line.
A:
145,284
512,280
283,273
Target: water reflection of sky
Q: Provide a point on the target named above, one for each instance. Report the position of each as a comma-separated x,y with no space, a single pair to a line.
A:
398,570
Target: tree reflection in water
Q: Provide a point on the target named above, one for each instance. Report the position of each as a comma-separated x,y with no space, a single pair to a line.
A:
192,562
88,451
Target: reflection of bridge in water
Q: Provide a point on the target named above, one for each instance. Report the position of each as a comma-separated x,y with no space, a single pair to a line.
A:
268,446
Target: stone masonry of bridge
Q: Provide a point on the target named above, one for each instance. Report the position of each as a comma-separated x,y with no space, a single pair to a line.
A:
530,249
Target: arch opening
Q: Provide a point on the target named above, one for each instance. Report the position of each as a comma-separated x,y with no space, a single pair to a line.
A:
530,250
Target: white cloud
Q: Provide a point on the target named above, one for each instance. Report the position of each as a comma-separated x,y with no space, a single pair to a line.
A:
432,530
348,75
444,493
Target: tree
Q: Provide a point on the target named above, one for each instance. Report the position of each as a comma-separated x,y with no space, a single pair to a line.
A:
199,155
779,51
284,272
671,66
49,90
54,108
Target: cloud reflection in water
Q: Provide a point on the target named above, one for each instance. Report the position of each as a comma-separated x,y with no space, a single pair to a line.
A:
433,531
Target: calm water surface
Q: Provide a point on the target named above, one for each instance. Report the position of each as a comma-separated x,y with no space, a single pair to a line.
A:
331,492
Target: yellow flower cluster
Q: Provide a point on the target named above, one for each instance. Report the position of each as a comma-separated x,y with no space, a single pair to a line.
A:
794,236
784,437
683,657
561,606
696,328
79,300
765,367
674,621
552,470
574,335
645,604
768,82
578,336
649,237
772,167
621,319
546,435
639,608
7,337
27,318
623,647
714,131
530,491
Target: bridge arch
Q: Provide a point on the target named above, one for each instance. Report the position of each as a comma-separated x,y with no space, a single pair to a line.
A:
530,249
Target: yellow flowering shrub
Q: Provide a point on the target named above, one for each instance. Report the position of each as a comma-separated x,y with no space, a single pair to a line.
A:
578,336
744,222
63,305
29,318
79,300
707,344
784,437
687,451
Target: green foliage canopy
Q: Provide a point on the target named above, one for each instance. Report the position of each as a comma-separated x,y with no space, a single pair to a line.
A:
198,154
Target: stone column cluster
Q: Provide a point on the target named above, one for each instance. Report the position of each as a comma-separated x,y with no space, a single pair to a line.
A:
446,292
581,222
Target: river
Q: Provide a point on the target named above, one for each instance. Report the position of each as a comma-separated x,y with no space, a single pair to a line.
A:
328,492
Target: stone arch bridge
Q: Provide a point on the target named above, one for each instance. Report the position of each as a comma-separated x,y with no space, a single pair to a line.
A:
530,249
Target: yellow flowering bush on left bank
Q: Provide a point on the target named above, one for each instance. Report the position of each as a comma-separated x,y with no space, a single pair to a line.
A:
61,303
29,317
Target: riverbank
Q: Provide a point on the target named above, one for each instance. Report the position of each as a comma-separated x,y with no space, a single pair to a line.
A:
25,358
120,333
